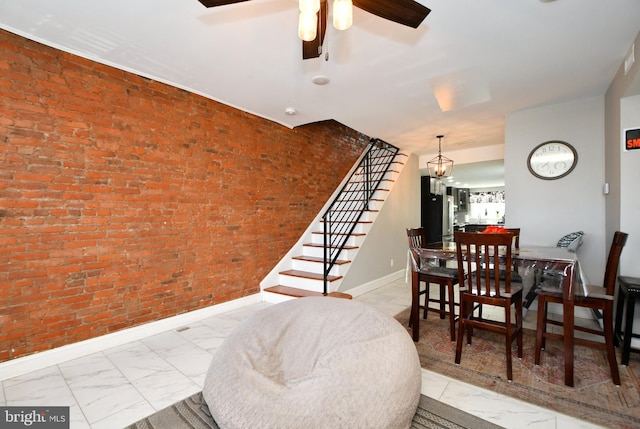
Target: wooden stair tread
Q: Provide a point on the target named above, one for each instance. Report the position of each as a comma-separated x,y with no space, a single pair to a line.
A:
322,246
359,201
309,275
357,234
354,210
359,191
321,260
301,293
338,221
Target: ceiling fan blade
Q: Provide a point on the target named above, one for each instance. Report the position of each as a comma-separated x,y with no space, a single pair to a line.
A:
214,3
313,49
405,12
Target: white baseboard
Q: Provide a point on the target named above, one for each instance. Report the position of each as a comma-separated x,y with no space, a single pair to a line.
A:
275,298
375,284
37,361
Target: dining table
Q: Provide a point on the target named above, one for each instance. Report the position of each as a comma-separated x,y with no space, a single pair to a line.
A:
564,263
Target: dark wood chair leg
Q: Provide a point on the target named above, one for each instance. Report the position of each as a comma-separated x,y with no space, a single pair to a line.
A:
452,311
425,313
509,339
607,314
463,314
519,307
442,301
541,327
617,333
628,328
470,304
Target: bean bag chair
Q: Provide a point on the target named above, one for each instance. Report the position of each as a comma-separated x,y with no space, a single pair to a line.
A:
315,362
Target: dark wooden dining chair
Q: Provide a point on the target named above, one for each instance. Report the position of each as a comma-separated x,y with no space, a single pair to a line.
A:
596,298
444,278
571,242
484,286
515,276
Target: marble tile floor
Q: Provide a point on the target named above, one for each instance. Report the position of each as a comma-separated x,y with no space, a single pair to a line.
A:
118,386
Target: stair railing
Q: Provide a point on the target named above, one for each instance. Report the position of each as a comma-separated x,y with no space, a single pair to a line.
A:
346,210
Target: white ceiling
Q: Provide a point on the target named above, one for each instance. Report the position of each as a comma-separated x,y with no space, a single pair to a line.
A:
484,174
486,58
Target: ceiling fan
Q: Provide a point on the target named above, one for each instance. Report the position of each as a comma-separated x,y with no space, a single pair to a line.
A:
405,12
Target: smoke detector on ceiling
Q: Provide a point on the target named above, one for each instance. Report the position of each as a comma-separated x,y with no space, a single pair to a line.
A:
320,80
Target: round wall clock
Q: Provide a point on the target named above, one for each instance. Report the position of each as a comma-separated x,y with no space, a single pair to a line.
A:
552,160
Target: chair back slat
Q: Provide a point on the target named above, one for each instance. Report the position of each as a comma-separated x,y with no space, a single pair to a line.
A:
613,261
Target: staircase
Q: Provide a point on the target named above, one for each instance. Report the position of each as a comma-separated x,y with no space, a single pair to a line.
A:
317,264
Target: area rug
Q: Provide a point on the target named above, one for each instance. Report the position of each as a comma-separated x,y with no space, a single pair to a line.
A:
594,398
193,413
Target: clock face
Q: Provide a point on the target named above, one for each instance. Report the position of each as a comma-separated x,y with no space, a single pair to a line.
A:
552,160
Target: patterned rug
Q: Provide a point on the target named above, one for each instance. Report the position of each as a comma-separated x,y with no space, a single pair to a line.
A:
594,398
193,413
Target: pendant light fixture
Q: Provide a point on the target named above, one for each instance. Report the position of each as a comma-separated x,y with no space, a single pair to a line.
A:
440,166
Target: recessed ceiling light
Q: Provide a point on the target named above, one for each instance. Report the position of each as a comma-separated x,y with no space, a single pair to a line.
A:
320,80
290,111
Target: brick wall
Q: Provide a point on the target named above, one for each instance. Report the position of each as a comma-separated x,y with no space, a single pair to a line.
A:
124,200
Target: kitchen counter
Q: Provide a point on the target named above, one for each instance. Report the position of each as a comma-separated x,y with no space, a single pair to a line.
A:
474,227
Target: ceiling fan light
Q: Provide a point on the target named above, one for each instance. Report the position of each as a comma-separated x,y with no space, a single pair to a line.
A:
342,14
307,26
309,6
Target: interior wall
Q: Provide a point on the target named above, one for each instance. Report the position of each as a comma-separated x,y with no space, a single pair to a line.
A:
622,173
124,201
629,195
545,210
387,240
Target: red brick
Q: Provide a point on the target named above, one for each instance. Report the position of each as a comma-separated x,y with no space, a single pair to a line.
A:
131,200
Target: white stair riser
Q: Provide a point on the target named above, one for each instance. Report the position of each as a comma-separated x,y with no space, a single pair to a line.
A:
318,267
309,284
380,194
375,205
353,240
394,170
367,216
361,228
275,298
357,192
318,252
301,283
385,184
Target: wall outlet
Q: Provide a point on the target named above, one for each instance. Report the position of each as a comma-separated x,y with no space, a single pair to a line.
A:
392,262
